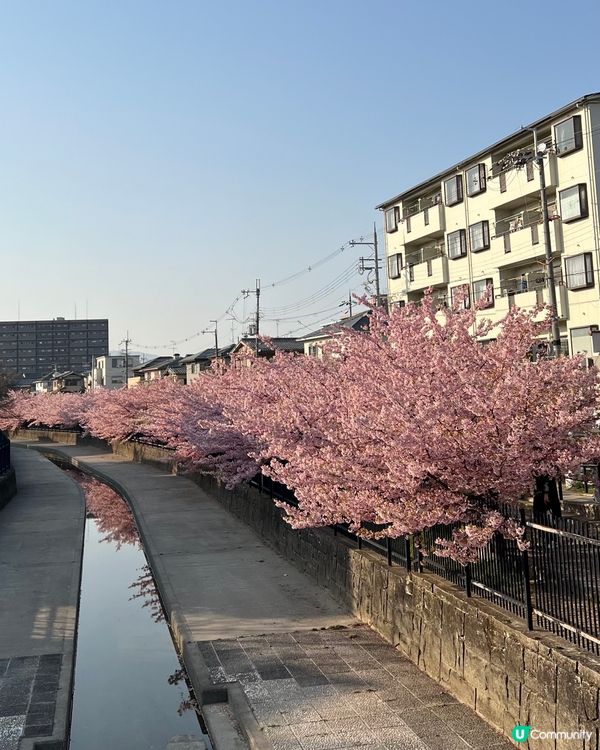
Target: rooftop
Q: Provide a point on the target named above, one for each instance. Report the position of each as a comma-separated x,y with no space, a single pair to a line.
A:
495,146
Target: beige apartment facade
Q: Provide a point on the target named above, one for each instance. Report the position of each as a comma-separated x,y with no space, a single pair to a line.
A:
477,228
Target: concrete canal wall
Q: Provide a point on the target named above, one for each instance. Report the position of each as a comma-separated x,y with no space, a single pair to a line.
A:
8,486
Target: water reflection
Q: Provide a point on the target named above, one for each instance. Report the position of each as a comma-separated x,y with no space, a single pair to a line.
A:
146,590
123,697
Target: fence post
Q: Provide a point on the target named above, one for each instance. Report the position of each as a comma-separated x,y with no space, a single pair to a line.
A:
408,550
468,579
526,578
261,486
389,551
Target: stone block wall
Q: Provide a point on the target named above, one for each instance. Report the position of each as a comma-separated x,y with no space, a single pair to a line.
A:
8,486
477,651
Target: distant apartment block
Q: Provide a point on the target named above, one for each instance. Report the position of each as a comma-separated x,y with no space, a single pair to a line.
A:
30,349
479,225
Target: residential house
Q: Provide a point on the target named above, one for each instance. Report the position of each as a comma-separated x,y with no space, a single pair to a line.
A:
110,371
68,382
197,363
252,346
313,342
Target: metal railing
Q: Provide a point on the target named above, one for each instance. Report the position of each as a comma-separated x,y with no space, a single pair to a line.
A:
4,453
421,204
554,585
425,253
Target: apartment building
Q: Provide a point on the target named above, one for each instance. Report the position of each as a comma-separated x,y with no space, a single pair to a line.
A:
31,348
478,226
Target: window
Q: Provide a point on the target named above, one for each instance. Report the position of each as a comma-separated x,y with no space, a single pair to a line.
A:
411,272
479,236
395,266
573,203
529,170
579,270
456,242
483,292
475,178
459,295
453,190
407,221
391,219
568,136
502,182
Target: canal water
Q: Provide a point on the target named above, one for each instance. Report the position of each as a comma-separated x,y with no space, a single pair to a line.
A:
123,694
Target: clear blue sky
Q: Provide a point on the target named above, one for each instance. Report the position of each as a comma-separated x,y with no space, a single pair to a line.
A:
157,157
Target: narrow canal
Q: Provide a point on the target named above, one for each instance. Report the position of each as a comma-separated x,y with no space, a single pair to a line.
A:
124,696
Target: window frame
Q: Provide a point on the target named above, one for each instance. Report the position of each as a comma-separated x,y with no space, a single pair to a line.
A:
577,136
588,271
397,259
485,224
457,179
581,187
463,244
481,180
395,212
466,303
488,283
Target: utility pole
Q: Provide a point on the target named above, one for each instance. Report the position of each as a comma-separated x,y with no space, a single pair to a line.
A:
257,311
520,159
540,151
216,339
348,303
364,267
256,291
126,341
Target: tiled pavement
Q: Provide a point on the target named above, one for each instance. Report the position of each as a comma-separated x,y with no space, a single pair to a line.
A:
28,690
344,688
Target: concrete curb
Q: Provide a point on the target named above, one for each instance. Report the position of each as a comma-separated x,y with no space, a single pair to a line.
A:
206,692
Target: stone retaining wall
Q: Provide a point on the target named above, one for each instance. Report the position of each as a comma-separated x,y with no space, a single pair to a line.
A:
477,651
8,486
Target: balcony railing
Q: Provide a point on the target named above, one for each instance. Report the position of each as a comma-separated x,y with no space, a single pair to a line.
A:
527,282
425,253
421,204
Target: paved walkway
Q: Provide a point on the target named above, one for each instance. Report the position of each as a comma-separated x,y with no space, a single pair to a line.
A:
317,680
41,537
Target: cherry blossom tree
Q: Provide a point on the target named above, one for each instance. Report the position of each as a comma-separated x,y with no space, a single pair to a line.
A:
416,423
411,424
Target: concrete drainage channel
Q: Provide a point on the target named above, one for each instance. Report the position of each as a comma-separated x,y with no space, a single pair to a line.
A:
130,687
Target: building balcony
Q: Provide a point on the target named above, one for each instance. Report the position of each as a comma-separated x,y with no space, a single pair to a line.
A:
430,272
523,241
428,222
530,299
514,184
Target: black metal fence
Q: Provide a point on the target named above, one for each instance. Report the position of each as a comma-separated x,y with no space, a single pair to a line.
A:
4,453
553,585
